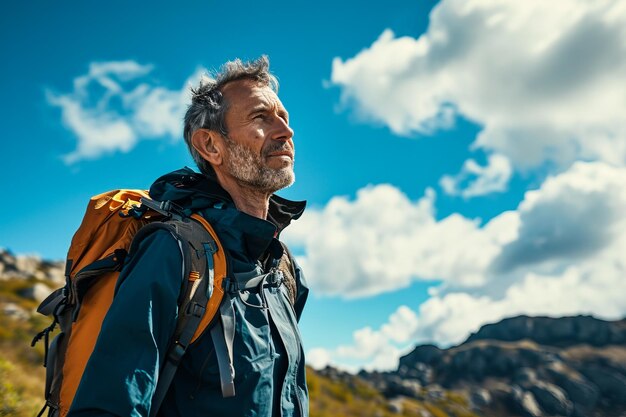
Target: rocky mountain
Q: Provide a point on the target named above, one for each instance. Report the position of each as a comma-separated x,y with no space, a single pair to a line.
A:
522,366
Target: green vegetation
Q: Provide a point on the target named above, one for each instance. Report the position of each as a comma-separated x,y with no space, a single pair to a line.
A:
21,370
354,397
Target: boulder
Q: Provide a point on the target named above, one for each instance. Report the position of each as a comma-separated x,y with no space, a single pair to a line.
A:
552,399
37,292
395,406
524,403
421,372
396,387
480,398
27,264
579,390
435,393
611,384
525,377
15,312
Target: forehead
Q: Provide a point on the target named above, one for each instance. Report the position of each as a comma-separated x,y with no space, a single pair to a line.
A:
242,95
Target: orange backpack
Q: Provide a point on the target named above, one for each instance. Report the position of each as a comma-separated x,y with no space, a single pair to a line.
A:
113,223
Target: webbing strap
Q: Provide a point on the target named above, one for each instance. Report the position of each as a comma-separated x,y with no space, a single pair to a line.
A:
190,312
223,335
175,354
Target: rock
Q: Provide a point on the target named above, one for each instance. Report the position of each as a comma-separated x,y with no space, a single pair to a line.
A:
396,386
480,398
428,354
524,403
421,372
477,367
434,393
564,331
503,365
15,312
611,384
395,406
552,399
581,392
8,269
37,292
57,276
54,272
525,377
27,264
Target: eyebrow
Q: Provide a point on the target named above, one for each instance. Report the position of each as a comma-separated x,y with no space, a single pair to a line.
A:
260,108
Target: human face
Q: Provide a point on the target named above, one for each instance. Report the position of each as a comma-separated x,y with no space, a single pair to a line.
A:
260,151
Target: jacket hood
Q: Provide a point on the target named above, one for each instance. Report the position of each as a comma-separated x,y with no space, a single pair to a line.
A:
194,191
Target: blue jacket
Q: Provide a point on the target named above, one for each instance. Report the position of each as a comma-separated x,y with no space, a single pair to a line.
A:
122,373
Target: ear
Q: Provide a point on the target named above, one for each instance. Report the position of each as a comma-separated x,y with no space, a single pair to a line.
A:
205,141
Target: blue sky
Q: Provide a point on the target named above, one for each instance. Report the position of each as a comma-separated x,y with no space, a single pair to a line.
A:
462,161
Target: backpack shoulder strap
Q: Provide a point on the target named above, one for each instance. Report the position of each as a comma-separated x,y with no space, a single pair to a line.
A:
204,269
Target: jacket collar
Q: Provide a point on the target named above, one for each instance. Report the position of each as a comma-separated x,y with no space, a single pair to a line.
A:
198,192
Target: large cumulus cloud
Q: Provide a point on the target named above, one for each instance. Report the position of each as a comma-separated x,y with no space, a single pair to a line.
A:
545,80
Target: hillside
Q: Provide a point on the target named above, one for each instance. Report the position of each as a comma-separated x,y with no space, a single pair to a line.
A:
521,366
524,366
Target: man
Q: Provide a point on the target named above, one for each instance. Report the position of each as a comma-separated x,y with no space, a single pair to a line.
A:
238,133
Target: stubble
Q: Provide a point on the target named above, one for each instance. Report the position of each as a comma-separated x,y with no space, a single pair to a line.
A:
250,170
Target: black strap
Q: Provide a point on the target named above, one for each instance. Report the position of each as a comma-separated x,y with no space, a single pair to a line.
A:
223,335
198,249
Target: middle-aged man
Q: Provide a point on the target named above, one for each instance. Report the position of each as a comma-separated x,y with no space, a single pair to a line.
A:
238,133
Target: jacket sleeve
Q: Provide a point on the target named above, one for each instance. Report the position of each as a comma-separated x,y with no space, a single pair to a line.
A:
121,374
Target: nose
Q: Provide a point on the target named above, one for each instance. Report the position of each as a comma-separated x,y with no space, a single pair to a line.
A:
282,130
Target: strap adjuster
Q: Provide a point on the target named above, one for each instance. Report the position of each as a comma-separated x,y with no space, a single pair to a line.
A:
195,309
177,353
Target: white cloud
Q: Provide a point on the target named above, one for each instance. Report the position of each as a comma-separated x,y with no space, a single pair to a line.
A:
372,349
571,217
493,177
561,252
594,287
382,241
318,358
115,105
401,325
544,79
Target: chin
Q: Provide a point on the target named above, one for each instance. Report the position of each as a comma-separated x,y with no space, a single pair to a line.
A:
284,178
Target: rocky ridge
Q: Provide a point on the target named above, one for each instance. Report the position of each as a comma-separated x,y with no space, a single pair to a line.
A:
28,277
29,267
521,366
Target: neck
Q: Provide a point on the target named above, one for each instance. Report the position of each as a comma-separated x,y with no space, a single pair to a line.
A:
247,199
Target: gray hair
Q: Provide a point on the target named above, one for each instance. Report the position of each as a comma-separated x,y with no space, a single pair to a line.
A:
208,106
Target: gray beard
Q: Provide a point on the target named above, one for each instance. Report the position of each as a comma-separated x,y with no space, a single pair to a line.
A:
248,169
